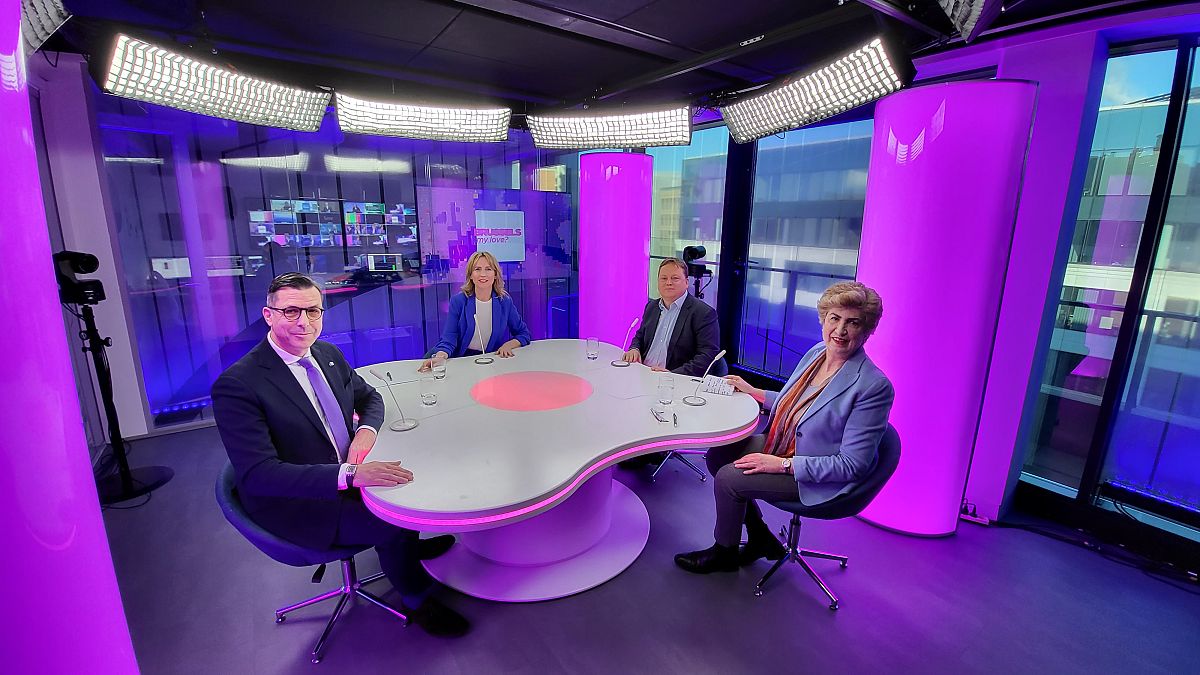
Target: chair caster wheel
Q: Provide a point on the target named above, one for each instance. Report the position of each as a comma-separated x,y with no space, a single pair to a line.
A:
316,659
833,605
704,479
279,618
758,593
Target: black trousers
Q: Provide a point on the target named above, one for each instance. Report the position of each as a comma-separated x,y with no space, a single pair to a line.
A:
735,493
396,546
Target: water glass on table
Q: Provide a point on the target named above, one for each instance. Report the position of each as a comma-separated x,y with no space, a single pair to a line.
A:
438,367
666,390
593,348
428,390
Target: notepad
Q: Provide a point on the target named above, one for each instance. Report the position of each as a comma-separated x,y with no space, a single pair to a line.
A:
717,385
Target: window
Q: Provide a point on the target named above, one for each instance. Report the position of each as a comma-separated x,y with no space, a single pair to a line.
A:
809,190
689,198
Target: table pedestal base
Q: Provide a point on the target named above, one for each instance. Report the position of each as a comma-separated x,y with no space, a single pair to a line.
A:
579,544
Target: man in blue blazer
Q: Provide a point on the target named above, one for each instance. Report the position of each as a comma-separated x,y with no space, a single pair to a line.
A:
678,333
284,413
822,435
483,317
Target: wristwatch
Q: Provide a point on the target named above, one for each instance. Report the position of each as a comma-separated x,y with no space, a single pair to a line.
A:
350,470
787,464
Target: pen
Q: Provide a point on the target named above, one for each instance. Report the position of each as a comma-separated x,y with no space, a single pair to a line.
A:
676,418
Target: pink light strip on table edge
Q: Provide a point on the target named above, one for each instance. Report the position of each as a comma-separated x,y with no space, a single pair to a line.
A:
369,498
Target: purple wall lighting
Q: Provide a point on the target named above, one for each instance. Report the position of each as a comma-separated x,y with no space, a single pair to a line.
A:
615,196
56,554
945,177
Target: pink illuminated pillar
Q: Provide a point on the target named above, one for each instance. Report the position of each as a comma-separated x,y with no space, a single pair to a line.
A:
62,608
942,191
615,195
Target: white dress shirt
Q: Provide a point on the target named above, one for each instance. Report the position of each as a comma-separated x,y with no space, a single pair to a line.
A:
293,363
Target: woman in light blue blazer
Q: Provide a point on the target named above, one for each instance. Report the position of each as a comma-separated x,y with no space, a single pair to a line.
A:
482,316
822,435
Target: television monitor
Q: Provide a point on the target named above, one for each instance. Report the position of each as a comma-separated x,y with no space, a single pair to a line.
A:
172,268
383,263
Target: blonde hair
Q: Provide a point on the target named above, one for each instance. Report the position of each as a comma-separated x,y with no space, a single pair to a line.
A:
852,295
468,287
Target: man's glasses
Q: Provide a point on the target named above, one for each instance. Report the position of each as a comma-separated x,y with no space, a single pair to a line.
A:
293,313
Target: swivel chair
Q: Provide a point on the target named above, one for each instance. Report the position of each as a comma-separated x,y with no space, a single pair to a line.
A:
295,555
841,506
720,369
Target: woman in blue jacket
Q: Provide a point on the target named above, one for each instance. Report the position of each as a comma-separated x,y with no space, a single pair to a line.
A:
482,315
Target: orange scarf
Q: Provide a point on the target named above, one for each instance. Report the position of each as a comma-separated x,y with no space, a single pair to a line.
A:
781,434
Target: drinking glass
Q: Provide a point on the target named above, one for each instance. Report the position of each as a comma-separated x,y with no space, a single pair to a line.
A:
428,390
593,348
438,368
666,389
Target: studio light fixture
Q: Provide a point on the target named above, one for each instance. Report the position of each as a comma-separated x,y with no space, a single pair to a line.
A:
637,130
296,162
966,14
863,75
133,160
39,20
145,72
467,125
337,164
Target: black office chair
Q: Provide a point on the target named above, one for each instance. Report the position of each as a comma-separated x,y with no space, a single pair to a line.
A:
295,555
843,506
720,369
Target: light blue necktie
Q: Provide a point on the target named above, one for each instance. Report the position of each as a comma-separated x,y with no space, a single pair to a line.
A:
329,405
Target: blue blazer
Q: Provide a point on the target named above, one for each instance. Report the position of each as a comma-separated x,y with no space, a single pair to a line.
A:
837,439
460,325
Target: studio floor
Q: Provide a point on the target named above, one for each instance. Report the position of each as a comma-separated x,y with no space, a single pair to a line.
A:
200,599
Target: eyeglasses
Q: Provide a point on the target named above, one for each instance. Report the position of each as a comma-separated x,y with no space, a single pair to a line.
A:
293,313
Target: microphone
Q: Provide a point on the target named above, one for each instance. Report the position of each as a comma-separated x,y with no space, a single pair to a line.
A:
629,333
402,424
621,362
695,398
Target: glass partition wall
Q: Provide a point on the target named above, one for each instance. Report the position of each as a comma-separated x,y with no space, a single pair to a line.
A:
209,211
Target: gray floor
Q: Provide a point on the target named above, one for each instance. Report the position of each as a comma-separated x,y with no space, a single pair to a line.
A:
200,599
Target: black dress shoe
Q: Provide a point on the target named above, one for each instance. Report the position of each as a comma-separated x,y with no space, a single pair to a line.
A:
765,546
428,549
716,558
439,620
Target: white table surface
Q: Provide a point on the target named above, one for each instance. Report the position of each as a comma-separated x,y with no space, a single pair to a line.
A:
477,467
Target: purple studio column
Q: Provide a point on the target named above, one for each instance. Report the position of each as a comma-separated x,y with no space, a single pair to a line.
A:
942,193
63,610
615,196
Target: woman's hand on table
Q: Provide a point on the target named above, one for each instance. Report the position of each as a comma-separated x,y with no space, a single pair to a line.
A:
742,385
506,350
427,364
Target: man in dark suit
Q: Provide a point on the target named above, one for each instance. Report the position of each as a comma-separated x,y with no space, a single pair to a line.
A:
284,412
678,333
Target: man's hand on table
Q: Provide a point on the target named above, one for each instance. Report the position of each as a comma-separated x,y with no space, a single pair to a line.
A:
381,474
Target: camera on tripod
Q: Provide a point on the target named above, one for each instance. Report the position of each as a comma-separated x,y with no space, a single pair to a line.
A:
697,271
71,289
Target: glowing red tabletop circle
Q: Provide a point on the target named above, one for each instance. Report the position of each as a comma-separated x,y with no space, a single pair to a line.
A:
531,390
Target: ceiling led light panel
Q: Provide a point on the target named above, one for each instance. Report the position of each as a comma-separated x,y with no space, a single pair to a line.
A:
641,130
963,13
467,125
860,77
148,73
39,20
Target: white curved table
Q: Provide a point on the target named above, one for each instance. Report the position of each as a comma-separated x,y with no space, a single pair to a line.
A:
531,491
